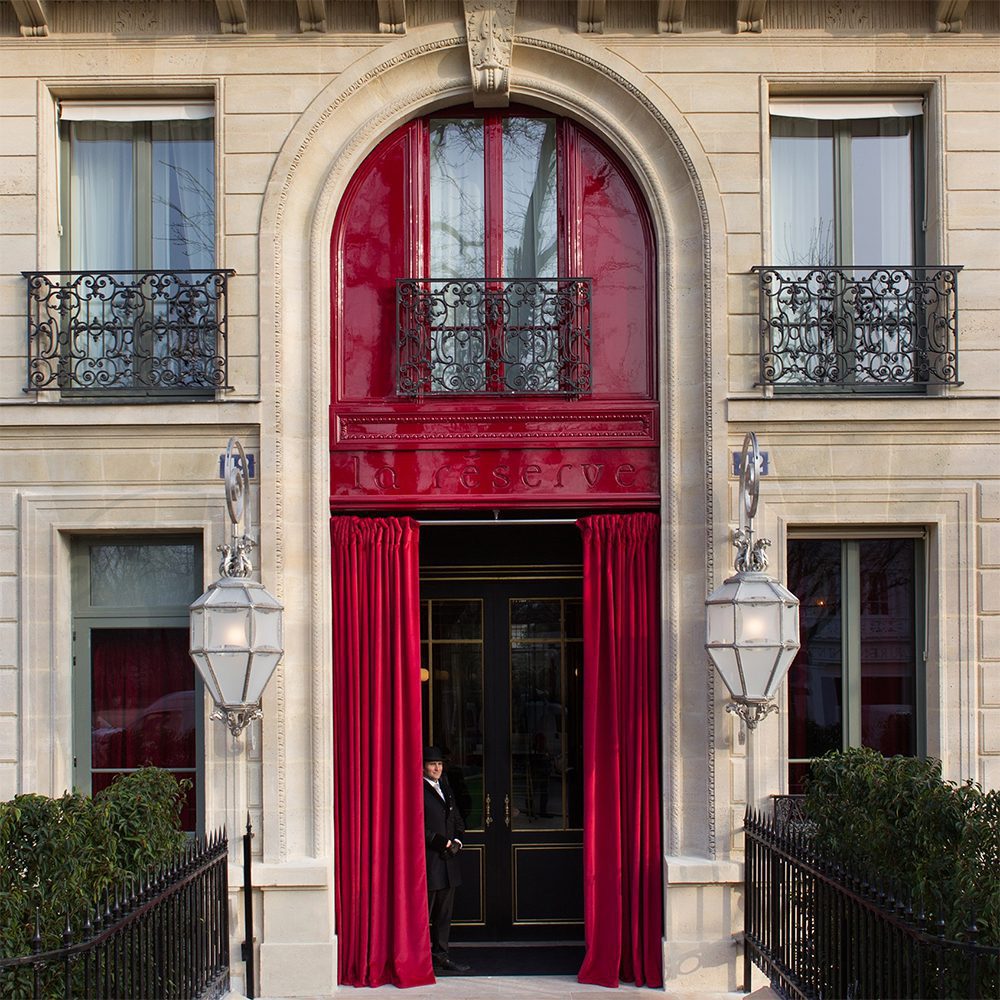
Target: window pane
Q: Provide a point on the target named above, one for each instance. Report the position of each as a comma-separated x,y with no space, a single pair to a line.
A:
815,684
150,575
802,203
456,692
882,191
102,196
888,645
142,698
529,198
457,198
456,620
536,731
183,187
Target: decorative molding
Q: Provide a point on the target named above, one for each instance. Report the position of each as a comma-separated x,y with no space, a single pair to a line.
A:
392,17
847,16
319,389
489,28
232,16
670,16
312,15
590,16
949,14
750,16
134,19
454,427
31,17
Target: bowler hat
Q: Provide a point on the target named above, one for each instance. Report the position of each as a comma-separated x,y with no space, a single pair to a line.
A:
433,755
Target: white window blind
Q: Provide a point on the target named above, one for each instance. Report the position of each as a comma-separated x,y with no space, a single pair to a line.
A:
135,111
846,109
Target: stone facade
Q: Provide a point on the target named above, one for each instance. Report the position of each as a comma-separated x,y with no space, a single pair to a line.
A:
680,92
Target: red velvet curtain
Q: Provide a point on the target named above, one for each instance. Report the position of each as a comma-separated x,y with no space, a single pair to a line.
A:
142,686
381,884
622,852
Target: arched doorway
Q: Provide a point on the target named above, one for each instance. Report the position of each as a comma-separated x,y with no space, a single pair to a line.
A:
493,288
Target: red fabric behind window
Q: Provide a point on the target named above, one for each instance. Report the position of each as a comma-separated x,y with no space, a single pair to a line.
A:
381,882
622,844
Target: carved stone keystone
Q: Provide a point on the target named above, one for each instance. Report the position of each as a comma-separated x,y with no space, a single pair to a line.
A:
489,26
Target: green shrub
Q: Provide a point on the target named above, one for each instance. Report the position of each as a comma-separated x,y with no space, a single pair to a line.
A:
59,856
896,819
144,816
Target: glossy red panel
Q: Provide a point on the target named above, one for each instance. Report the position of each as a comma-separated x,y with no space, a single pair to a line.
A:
370,251
617,254
570,477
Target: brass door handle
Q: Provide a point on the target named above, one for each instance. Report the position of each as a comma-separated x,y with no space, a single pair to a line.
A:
489,811
506,810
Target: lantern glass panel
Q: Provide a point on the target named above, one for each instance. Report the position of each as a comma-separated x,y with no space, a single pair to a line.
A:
757,623
721,623
261,668
758,665
231,670
267,629
726,663
228,628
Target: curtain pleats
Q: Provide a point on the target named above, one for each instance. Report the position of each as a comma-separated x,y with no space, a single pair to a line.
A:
381,883
622,843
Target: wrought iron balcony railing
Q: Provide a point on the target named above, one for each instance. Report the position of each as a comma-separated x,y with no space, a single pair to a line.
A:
127,333
858,329
496,336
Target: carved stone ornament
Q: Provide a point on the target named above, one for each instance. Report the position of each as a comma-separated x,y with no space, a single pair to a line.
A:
489,28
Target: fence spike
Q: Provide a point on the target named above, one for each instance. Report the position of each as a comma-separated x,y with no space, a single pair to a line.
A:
36,941
67,931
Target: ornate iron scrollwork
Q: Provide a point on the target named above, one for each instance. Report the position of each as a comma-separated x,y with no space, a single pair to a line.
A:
127,331
504,336
858,328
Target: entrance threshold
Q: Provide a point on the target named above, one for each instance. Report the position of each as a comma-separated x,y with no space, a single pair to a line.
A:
520,958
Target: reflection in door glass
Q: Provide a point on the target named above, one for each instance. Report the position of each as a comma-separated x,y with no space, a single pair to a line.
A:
452,679
544,681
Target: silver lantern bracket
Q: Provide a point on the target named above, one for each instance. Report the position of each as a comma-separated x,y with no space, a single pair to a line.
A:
752,621
236,625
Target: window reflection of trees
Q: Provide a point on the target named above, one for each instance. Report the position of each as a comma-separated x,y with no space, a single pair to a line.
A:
140,575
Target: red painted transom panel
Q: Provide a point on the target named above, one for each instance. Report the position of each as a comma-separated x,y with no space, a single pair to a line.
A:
493,321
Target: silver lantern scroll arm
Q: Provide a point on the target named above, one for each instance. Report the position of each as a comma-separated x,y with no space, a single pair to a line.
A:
236,561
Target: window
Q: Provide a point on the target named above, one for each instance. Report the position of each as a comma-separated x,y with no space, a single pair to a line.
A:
498,316
136,696
139,307
848,302
857,678
139,189
845,184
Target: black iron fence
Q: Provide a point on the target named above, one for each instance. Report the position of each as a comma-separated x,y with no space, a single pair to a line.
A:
127,332
822,933
504,336
859,329
164,936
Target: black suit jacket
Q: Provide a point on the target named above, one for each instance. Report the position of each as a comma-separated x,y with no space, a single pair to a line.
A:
442,822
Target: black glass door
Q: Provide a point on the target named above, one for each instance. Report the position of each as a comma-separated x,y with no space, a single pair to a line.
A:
503,684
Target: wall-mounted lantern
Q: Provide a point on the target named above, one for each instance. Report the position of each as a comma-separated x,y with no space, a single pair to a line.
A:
236,625
752,620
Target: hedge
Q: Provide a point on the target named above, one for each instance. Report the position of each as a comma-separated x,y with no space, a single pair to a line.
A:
897,819
58,856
